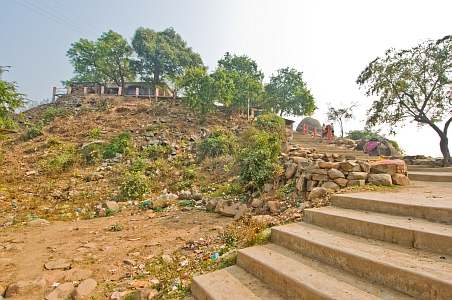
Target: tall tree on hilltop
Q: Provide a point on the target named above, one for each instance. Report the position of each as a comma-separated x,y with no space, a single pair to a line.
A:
414,84
288,94
10,101
246,77
162,57
107,59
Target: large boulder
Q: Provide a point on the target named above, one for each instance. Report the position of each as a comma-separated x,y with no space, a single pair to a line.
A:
311,124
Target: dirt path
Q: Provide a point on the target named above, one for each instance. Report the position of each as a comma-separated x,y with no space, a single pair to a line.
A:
89,244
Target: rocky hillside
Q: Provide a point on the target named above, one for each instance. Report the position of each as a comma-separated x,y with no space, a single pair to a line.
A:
51,170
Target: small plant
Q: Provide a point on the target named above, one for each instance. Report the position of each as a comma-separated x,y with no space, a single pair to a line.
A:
51,113
187,203
158,209
116,227
33,131
53,141
220,142
286,189
92,154
158,151
61,162
119,144
155,127
134,186
94,133
110,212
138,165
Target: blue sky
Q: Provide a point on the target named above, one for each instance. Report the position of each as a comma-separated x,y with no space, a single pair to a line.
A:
331,42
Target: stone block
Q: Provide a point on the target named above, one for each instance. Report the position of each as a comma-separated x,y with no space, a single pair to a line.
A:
310,185
357,176
290,170
331,185
335,173
342,182
317,192
380,179
329,165
301,184
274,206
400,179
356,182
390,169
348,165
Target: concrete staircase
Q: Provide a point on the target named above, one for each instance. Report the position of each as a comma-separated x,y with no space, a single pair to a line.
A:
425,173
370,245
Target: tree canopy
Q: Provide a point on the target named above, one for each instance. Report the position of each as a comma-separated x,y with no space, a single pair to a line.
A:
340,114
162,56
243,72
414,84
107,59
288,94
10,101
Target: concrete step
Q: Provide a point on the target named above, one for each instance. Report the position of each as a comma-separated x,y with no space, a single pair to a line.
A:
424,276
430,176
419,168
232,283
299,277
402,230
419,205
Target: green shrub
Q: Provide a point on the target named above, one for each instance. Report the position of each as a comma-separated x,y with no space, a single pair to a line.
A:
189,203
396,146
220,142
158,151
119,144
34,130
92,154
138,165
94,133
134,186
272,124
258,162
51,113
63,161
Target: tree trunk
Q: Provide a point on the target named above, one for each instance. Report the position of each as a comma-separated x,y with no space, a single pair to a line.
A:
444,145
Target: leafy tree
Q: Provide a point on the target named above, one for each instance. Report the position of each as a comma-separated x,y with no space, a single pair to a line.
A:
10,101
200,91
246,77
340,114
413,84
287,93
107,59
163,57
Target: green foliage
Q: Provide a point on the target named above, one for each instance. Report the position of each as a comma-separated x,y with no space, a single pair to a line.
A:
92,154
414,84
63,161
258,161
106,59
10,101
158,151
51,113
341,114
286,189
162,55
288,94
273,124
245,233
94,133
138,165
244,76
396,146
219,142
158,209
119,144
200,91
185,203
110,212
366,133
134,186
155,127
33,131
116,227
